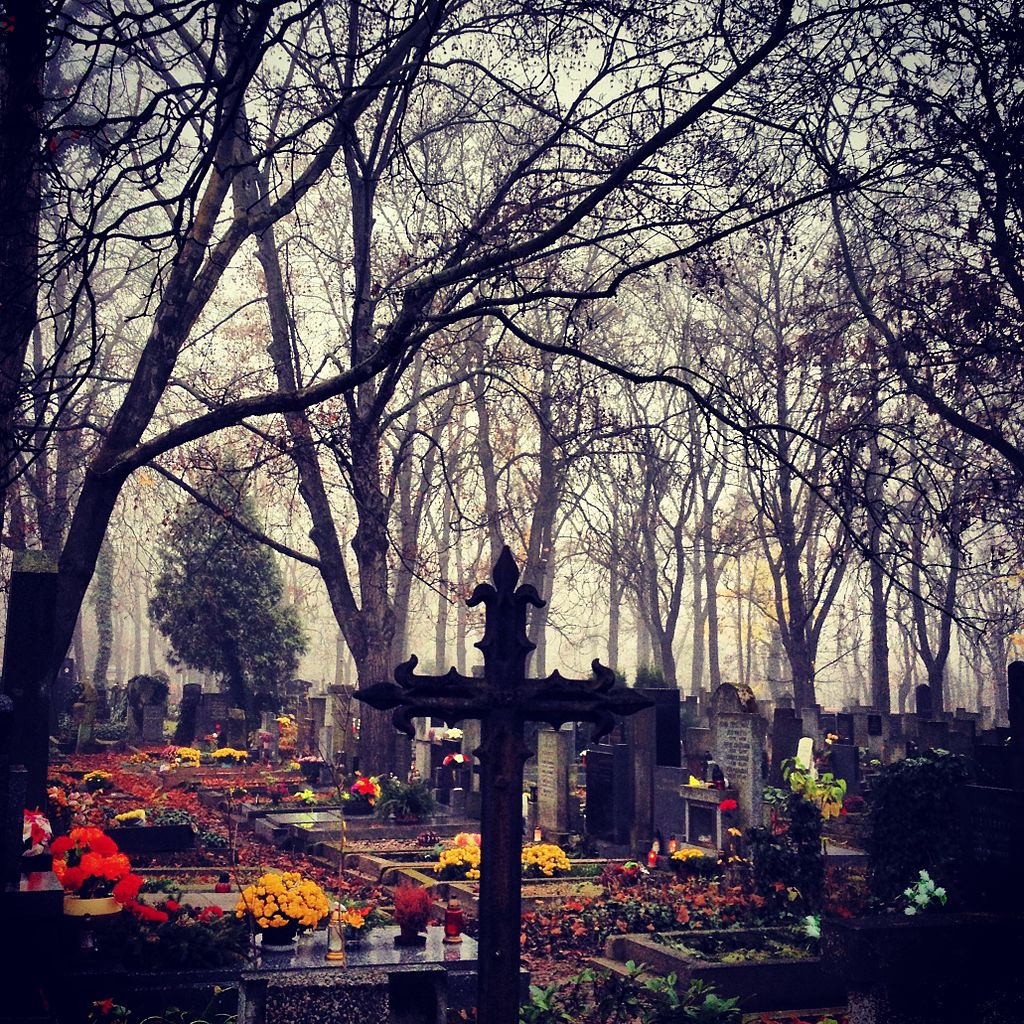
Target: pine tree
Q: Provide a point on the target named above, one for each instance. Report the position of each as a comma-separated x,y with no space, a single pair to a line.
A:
218,597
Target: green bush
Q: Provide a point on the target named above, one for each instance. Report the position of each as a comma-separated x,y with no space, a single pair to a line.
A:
171,816
913,825
790,854
614,999
111,731
648,675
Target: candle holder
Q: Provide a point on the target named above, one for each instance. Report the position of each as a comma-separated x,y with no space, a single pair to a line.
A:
454,922
335,937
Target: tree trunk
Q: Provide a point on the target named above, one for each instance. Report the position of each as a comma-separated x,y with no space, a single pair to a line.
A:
21,111
103,597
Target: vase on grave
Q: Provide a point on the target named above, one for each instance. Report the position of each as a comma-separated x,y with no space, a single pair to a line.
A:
97,906
357,808
281,939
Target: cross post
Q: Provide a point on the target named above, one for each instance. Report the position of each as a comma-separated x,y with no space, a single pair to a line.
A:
503,700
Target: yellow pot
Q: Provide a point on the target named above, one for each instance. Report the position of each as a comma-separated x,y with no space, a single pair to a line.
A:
99,906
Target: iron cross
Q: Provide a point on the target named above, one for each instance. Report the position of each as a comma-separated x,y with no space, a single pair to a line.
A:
503,700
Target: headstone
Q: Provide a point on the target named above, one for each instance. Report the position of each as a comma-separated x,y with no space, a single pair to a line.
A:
739,750
810,720
235,732
214,713
923,700
270,736
844,728
318,716
153,716
188,714
667,732
805,755
421,758
640,733
553,757
609,807
845,764
62,693
786,732
470,742
86,721
457,802
30,620
991,830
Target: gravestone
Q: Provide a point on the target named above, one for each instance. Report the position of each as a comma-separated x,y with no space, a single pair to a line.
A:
810,720
739,751
805,755
640,737
845,764
214,715
235,731
844,727
933,734
923,700
153,716
84,717
318,715
990,823
63,693
786,732
457,802
667,731
553,756
188,714
30,620
609,804
270,736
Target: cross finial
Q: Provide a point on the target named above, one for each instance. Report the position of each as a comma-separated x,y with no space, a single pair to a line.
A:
505,644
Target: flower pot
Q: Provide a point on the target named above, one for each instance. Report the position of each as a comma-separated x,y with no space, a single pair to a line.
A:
280,940
310,771
409,936
98,906
357,808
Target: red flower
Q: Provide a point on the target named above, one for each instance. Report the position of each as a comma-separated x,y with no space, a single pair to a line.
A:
728,805
148,913
172,905
60,846
105,1006
74,878
127,889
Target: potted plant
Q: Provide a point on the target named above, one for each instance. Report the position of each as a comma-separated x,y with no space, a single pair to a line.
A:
404,801
96,877
359,918
363,794
412,912
277,906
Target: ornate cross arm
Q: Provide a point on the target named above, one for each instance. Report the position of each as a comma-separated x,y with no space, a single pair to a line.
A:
454,698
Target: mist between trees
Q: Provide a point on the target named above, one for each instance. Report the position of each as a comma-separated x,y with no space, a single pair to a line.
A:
711,313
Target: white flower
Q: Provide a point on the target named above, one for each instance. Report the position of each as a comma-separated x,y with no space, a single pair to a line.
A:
910,911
